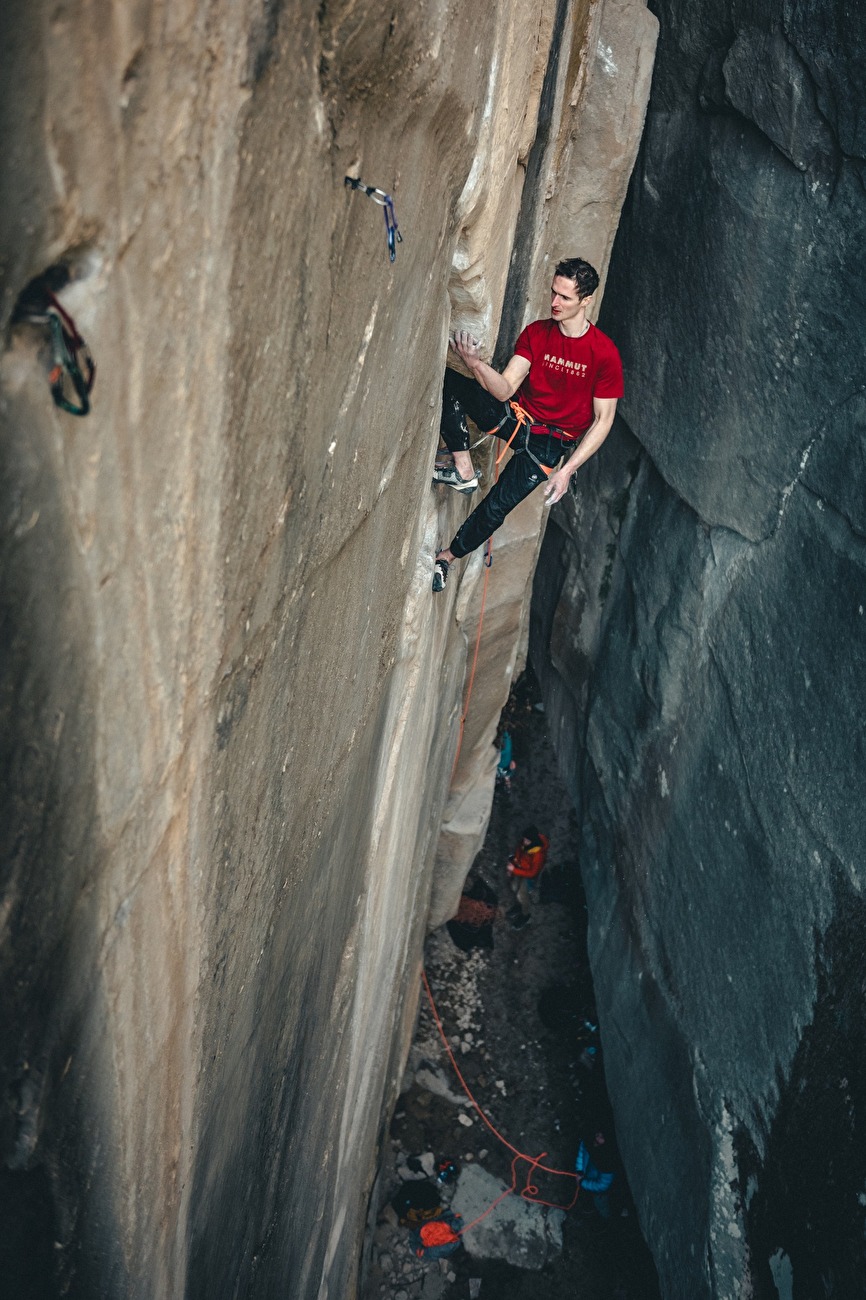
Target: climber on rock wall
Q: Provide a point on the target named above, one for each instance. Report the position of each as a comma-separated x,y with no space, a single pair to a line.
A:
567,376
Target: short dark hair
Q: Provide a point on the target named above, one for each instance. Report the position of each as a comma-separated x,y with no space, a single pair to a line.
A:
583,275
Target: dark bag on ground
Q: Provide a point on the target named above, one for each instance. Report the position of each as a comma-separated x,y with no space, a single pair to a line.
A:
416,1202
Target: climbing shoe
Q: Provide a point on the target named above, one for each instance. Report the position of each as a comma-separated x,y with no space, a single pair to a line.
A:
520,921
451,475
440,575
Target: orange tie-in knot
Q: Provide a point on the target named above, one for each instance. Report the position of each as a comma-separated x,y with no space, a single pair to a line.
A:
522,417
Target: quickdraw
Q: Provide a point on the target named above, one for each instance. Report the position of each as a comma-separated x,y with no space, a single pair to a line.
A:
70,357
387,204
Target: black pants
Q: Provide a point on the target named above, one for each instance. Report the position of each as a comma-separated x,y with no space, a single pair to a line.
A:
463,396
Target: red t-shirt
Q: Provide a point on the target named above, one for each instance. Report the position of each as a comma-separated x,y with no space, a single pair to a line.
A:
567,374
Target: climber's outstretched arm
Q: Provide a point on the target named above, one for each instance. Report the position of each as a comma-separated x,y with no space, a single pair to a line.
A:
501,386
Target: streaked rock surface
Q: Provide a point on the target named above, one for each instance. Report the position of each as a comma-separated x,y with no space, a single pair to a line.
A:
230,702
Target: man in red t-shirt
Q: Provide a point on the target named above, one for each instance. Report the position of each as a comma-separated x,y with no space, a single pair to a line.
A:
567,376
524,867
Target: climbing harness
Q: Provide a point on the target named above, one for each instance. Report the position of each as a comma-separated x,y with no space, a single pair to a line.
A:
527,424
387,204
72,365
529,1191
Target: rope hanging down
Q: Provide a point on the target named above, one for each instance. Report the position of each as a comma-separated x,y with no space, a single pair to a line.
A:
387,204
529,1191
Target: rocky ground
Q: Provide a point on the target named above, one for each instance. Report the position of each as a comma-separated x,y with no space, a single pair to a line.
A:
526,1074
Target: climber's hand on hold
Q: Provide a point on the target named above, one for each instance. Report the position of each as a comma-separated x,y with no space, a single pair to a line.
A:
556,486
467,347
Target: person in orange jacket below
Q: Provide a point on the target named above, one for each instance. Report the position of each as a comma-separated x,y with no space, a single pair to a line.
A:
524,868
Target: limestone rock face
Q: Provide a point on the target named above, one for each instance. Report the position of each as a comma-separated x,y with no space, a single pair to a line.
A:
230,703
702,610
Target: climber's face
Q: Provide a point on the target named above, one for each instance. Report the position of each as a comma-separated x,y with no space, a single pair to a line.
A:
565,300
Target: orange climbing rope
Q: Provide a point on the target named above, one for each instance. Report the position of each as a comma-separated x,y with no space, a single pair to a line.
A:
529,1191
523,417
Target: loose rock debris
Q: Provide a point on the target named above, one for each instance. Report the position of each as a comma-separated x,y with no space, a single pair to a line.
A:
526,1074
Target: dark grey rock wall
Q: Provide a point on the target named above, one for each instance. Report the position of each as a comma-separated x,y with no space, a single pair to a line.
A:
701,628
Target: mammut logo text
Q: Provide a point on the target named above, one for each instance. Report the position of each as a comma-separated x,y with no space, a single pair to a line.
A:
576,368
